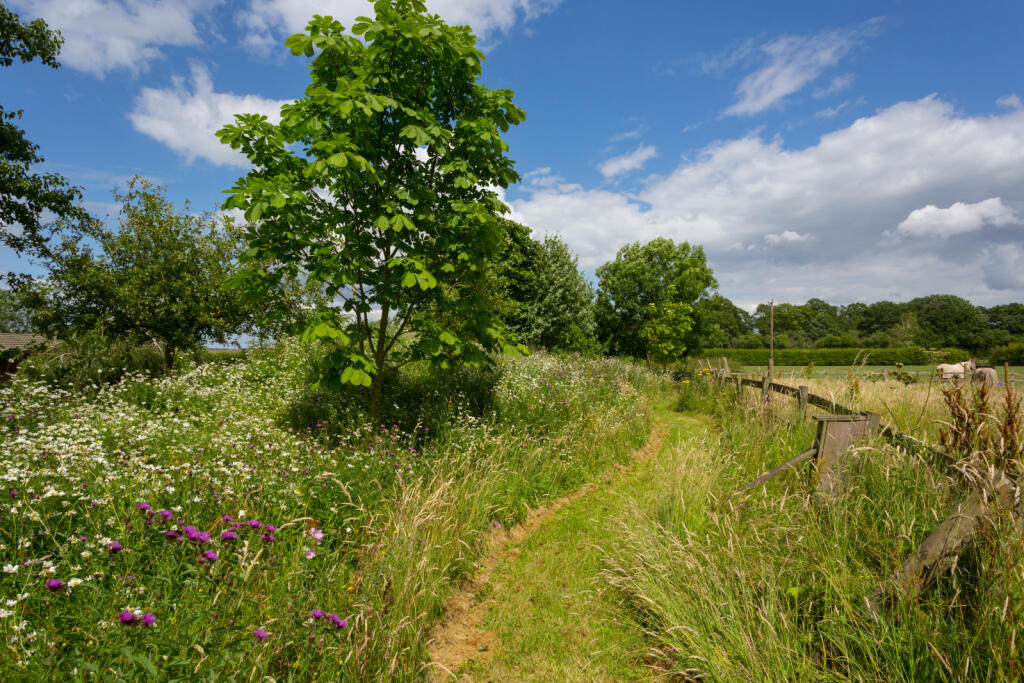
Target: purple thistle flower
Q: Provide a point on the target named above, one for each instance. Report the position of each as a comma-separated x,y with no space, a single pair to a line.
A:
54,585
260,634
171,534
226,518
143,507
127,617
115,547
210,555
255,524
317,614
228,536
148,619
340,623
166,514
271,528
13,492
267,538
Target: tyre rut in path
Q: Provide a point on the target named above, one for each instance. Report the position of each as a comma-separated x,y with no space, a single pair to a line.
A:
460,637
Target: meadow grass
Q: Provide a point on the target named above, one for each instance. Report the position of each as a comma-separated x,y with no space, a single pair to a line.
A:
771,585
229,522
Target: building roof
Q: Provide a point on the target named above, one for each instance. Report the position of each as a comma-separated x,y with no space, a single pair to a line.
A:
17,340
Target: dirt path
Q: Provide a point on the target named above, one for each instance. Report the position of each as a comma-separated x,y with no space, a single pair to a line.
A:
511,577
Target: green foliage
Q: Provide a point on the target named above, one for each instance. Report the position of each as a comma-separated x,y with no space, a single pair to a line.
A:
722,323
551,302
161,276
375,186
90,358
1011,353
646,275
26,196
838,356
15,316
666,328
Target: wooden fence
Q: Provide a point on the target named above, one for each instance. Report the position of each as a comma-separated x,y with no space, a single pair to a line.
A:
989,492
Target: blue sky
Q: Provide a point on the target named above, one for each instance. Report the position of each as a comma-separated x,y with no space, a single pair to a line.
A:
848,151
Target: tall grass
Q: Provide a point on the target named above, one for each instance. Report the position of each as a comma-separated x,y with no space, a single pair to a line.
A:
195,526
772,585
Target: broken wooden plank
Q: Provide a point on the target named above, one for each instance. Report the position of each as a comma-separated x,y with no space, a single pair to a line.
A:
767,476
835,435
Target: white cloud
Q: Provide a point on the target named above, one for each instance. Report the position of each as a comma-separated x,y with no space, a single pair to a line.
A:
830,112
268,21
838,83
186,120
628,135
844,193
786,236
958,218
628,162
103,35
795,61
1010,102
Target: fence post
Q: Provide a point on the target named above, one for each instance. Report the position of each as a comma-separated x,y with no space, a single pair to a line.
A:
803,402
1006,373
764,387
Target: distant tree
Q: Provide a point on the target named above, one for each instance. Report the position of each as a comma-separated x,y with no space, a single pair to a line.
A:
720,322
377,184
514,273
160,277
26,197
1007,317
880,316
642,276
791,323
947,320
822,319
561,313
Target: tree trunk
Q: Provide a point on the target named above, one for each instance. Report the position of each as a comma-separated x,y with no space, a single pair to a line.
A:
374,398
168,357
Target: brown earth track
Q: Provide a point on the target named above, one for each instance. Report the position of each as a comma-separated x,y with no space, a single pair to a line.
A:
459,637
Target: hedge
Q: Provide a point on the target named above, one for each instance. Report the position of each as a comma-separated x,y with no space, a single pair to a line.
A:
1011,353
908,355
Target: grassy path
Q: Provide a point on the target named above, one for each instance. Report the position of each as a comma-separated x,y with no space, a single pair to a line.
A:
538,608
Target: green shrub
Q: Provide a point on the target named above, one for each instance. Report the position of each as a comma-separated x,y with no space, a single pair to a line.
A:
91,359
1012,353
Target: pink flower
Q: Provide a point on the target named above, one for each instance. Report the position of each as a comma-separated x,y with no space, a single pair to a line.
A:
310,553
260,634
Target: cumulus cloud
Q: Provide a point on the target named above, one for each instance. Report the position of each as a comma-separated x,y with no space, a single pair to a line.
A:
266,21
103,35
786,236
958,218
628,162
844,193
187,119
794,62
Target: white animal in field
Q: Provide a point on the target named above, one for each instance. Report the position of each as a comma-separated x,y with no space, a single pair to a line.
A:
956,370
987,376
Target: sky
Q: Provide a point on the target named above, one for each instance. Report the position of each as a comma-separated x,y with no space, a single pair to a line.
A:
846,151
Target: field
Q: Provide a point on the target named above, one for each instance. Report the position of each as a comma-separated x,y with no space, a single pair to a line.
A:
231,521
920,373
226,518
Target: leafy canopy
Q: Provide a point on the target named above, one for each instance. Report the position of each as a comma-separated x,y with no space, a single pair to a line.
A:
642,276
377,184
24,195
160,276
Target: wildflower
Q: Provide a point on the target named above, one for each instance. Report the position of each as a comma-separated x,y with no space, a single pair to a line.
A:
226,518
54,585
114,547
74,582
143,507
127,617
148,619
10,569
271,528
255,524
267,538
317,614
316,534
171,534
229,536
260,634
340,623
310,553
166,514
210,555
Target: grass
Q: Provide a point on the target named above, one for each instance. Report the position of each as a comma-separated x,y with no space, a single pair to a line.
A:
113,493
554,619
771,585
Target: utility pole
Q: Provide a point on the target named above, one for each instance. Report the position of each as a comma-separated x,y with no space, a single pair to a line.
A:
771,337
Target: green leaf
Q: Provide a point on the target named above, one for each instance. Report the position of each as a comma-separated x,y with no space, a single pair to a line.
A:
339,160
448,338
409,280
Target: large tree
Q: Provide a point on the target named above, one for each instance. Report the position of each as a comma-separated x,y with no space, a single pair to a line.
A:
641,277
378,184
25,196
160,276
